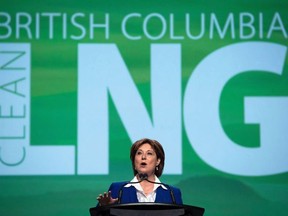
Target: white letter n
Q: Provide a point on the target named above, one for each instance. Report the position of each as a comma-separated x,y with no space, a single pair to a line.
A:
101,69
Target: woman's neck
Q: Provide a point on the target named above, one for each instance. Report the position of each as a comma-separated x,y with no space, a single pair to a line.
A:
147,186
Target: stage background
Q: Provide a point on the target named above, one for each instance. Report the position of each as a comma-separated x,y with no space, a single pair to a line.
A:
54,96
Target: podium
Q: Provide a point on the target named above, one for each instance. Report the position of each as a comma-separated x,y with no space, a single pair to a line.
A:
146,209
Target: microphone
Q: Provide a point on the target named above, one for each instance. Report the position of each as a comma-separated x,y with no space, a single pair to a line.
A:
142,177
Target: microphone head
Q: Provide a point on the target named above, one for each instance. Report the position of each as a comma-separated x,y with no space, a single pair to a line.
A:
143,176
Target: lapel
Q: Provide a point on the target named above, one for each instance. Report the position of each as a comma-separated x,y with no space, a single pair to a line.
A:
129,195
162,196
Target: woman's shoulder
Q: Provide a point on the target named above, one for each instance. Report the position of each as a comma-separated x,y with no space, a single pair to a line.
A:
173,188
115,187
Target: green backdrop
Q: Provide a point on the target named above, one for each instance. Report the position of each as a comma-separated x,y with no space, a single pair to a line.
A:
54,89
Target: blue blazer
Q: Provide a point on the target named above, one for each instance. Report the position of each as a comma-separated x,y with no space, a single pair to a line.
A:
129,194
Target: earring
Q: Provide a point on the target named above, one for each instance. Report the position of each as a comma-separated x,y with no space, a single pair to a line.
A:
157,168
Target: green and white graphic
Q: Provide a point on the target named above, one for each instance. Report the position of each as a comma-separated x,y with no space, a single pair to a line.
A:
81,81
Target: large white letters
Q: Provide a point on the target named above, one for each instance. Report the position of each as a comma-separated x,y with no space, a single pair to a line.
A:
102,70
17,156
201,111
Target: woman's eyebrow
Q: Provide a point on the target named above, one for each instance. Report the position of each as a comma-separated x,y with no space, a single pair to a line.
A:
149,150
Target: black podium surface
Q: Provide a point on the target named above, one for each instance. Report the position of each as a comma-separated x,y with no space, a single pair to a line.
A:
147,209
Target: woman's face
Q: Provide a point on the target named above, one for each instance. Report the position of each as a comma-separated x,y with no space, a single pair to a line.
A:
146,159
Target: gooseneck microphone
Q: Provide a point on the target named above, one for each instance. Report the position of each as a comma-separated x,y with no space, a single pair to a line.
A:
143,176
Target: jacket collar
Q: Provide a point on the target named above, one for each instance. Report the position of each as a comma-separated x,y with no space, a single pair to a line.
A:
138,186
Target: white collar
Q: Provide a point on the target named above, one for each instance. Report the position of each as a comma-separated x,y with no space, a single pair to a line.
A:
138,186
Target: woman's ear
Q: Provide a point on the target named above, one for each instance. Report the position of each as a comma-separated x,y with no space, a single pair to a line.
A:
158,161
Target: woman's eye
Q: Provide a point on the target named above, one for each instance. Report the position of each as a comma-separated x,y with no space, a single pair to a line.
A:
139,153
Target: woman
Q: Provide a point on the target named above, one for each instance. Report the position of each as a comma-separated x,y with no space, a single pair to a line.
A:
148,158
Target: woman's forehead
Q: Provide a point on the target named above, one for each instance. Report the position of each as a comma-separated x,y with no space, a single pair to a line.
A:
145,147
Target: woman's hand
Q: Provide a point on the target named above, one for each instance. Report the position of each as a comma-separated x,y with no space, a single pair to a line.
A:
106,199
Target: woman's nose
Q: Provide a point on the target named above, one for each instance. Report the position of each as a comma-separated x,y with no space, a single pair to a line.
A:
143,156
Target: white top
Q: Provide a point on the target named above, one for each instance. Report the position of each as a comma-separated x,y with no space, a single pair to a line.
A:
141,196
